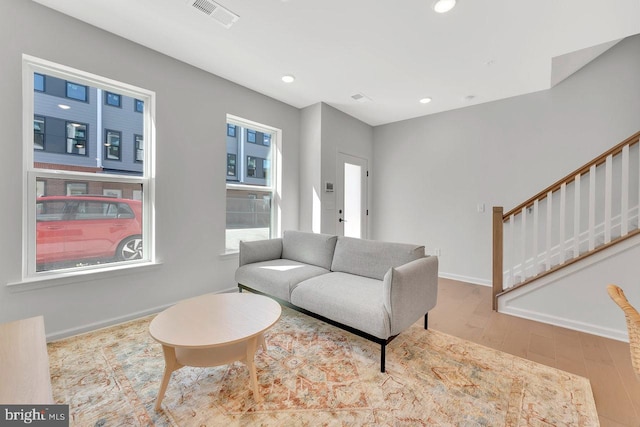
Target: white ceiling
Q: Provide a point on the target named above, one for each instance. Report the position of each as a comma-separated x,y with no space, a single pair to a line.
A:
393,52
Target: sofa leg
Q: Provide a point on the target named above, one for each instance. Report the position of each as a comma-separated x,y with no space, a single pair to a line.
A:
382,356
239,289
426,320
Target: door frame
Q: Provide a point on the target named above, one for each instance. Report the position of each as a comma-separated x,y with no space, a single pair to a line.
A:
341,159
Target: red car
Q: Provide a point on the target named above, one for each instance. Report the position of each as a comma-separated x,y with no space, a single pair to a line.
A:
81,228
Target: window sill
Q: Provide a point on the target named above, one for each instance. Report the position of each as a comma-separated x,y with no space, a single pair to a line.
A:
66,278
229,255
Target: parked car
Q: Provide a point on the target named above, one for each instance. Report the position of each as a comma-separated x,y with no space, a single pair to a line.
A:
81,228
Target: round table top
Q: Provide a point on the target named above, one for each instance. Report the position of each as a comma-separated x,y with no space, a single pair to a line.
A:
214,320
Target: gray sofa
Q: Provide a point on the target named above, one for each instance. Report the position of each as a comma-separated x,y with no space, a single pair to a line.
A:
371,288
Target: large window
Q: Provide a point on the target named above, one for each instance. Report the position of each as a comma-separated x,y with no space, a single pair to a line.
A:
78,214
251,183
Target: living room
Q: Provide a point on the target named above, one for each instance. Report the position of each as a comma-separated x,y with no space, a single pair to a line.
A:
429,174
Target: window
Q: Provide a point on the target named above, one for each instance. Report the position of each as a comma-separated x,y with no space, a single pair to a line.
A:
76,138
113,99
252,213
266,139
76,91
138,106
138,143
112,145
38,82
251,136
231,165
103,216
75,188
231,130
38,133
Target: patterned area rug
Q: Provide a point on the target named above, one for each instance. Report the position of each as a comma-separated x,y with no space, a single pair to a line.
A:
315,374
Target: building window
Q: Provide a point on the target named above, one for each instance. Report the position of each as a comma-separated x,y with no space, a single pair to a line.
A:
257,167
231,165
38,133
251,136
77,92
107,213
38,82
138,106
76,138
251,185
266,139
112,144
76,188
231,130
113,99
138,143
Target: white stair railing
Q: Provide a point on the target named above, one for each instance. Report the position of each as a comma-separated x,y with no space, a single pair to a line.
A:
592,208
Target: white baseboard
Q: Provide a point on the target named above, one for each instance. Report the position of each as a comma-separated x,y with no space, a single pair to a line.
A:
66,333
567,323
467,279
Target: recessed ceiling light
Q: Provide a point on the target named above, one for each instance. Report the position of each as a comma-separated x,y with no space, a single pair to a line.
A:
288,78
63,106
425,100
442,6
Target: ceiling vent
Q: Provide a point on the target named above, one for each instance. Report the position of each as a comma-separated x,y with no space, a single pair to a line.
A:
219,13
360,97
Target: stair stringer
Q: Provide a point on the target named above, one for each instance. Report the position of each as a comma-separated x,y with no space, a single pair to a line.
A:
575,297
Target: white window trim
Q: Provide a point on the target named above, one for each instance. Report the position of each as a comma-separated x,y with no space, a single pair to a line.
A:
275,186
32,65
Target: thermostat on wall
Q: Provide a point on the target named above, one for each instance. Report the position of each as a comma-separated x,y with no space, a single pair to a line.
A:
328,187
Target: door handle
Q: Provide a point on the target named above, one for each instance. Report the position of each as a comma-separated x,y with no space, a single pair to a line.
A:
342,220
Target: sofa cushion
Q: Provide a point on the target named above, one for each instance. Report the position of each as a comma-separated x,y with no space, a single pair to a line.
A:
309,248
276,277
260,250
352,300
372,258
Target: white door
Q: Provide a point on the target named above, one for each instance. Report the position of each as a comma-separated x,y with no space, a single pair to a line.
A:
351,196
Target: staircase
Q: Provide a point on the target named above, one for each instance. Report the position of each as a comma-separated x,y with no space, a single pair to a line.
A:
591,209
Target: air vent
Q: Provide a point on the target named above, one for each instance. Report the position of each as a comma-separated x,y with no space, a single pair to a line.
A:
360,97
219,13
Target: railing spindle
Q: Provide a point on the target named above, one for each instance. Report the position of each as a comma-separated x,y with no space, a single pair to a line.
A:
608,186
563,208
535,237
576,216
592,206
523,245
547,258
624,196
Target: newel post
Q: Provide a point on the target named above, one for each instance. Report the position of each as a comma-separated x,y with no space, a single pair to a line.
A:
497,254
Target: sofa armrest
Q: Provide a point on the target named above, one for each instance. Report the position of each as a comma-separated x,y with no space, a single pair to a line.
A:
260,250
410,291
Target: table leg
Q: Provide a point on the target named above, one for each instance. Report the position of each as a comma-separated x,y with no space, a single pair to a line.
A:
252,345
170,364
262,342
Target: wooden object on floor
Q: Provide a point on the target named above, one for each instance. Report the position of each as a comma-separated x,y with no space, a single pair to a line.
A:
633,324
212,330
24,363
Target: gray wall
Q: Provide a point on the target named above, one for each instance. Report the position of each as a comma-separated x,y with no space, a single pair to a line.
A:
191,164
325,132
433,171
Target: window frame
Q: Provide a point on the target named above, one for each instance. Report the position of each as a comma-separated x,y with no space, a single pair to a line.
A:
274,184
32,174
136,147
137,102
39,118
75,145
106,99
66,91
108,145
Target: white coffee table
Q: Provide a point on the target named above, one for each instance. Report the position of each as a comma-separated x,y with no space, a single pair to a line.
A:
212,330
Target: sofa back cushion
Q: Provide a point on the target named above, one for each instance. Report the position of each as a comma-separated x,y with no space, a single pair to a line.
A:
371,258
310,248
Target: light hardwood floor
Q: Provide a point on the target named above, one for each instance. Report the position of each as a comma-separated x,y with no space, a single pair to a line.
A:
464,310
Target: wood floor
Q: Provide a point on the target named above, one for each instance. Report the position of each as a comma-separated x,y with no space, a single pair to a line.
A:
464,310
